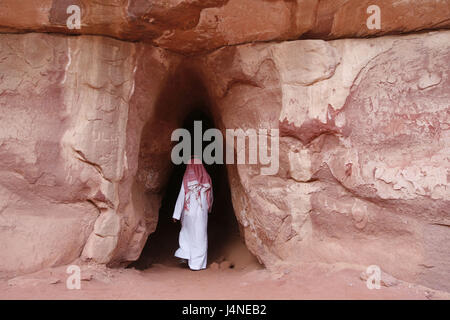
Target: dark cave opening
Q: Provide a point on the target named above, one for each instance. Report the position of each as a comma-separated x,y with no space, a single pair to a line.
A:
224,239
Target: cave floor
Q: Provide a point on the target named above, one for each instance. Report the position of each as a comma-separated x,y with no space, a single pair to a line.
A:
177,282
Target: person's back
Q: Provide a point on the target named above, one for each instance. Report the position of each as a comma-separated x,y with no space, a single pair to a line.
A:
193,205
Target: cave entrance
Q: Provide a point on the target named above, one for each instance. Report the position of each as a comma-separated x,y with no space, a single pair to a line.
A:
224,237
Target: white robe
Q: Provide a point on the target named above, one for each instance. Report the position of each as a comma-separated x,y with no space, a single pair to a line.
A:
193,238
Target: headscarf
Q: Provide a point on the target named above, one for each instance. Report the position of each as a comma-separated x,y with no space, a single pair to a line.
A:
195,179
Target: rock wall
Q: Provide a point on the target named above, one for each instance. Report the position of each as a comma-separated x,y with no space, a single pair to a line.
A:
364,172
65,115
194,26
44,219
364,124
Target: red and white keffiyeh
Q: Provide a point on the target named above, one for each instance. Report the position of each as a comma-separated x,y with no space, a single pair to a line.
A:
195,180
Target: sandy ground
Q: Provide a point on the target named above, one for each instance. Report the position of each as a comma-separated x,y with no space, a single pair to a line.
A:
167,282
168,279
158,275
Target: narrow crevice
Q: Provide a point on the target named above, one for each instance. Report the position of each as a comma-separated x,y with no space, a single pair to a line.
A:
224,239
97,167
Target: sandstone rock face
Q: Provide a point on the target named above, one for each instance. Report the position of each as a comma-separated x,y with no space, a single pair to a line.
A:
364,123
44,220
364,150
193,26
65,104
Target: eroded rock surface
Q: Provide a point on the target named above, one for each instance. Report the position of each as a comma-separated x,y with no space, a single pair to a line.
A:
364,149
193,26
65,104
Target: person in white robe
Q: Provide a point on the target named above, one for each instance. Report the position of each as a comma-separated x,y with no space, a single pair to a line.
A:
192,207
